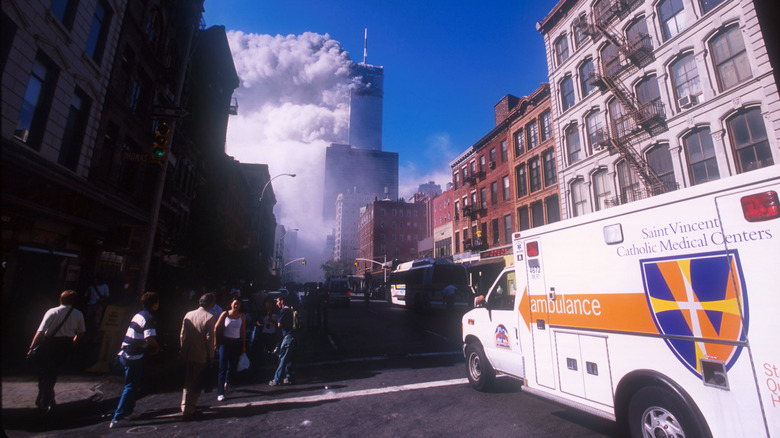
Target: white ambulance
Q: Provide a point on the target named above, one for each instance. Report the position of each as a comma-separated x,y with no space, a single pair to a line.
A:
662,314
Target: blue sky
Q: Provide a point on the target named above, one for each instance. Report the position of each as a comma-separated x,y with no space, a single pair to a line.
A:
446,63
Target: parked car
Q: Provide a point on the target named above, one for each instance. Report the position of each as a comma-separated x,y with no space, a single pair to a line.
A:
339,290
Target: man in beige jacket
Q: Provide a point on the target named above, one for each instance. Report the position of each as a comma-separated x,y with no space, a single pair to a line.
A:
197,351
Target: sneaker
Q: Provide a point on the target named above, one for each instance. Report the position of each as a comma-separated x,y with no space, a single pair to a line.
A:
286,382
273,383
113,424
220,398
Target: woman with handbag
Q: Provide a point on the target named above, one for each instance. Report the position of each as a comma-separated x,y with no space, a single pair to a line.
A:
60,329
231,341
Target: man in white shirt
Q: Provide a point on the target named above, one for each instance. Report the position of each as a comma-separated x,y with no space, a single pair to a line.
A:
69,325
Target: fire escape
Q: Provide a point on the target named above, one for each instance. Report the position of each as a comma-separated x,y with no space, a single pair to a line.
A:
473,212
640,120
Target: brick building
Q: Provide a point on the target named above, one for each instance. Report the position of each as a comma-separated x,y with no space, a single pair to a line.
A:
389,230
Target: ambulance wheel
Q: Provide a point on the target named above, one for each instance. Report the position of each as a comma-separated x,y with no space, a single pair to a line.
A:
657,412
480,373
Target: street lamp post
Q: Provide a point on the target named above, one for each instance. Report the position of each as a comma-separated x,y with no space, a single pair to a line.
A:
292,175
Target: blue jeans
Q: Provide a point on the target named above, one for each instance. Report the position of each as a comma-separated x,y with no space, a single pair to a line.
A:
229,352
284,370
133,371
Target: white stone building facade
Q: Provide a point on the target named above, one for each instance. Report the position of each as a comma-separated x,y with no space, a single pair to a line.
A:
654,96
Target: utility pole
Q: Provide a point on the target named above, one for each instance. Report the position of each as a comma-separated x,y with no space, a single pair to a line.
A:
146,258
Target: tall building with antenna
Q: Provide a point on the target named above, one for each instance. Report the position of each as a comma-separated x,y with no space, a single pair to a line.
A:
365,104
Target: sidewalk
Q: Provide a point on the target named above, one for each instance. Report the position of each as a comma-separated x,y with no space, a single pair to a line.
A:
19,392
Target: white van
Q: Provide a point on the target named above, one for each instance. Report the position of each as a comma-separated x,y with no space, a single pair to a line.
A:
662,314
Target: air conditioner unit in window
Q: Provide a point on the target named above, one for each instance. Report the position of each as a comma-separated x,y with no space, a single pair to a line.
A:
492,165
688,101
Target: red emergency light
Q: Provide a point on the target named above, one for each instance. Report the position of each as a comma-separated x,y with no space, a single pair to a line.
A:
532,249
760,207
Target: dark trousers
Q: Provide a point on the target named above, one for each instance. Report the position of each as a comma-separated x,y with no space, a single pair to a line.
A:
57,351
229,352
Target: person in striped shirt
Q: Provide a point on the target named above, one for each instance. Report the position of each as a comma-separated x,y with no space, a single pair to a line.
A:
140,339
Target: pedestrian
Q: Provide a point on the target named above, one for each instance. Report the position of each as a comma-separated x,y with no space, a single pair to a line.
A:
140,339
97,296
60,328
271,338
284,370
449,296
231,341
322,306
197,351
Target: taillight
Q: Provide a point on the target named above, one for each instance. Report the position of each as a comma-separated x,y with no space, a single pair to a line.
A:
761,206
532,249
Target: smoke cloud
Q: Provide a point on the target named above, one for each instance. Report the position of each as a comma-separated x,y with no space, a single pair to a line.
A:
293,102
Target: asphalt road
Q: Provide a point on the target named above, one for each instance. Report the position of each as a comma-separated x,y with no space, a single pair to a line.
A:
377,371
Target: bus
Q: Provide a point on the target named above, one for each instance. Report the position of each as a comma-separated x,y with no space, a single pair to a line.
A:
420,283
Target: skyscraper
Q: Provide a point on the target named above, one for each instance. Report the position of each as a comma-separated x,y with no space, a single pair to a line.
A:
365,107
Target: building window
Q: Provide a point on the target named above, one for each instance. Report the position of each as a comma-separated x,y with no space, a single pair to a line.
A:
522,184
505,186
473,169
567,93
65,11
547,128
636,34
561,49
457,242
610,60
573,148
519,143
628,182
496,237
586,74
595,129
537,214
647,90
534,172
672,16
550,173
522,218
75,125
660,160
154,27
553,209
749,139
492,154
483,198
98,31
700,152
37,102
708,5
601,192
508,228
504,151
482,163
579,198
621,125
455,181
494,193
457,210
685,80
533,135
579,35
730,58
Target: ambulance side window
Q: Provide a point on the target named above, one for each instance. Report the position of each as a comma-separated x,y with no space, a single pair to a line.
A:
502,297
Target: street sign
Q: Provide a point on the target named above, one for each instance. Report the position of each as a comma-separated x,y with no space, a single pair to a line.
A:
173,112
138,157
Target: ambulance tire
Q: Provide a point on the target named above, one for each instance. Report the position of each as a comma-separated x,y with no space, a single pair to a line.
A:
478,369
658,411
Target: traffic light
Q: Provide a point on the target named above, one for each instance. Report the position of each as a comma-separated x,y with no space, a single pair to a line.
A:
303,262
161,144
356,263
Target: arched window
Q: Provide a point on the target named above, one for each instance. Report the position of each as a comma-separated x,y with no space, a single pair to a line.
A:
561,49
685,80
749,140
577,31
622,125
708,5
730,58
595,128
601,190
573,148
628,182
579,198
672,15
700,154
638,36
660,160
567,93
610,60
586,74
